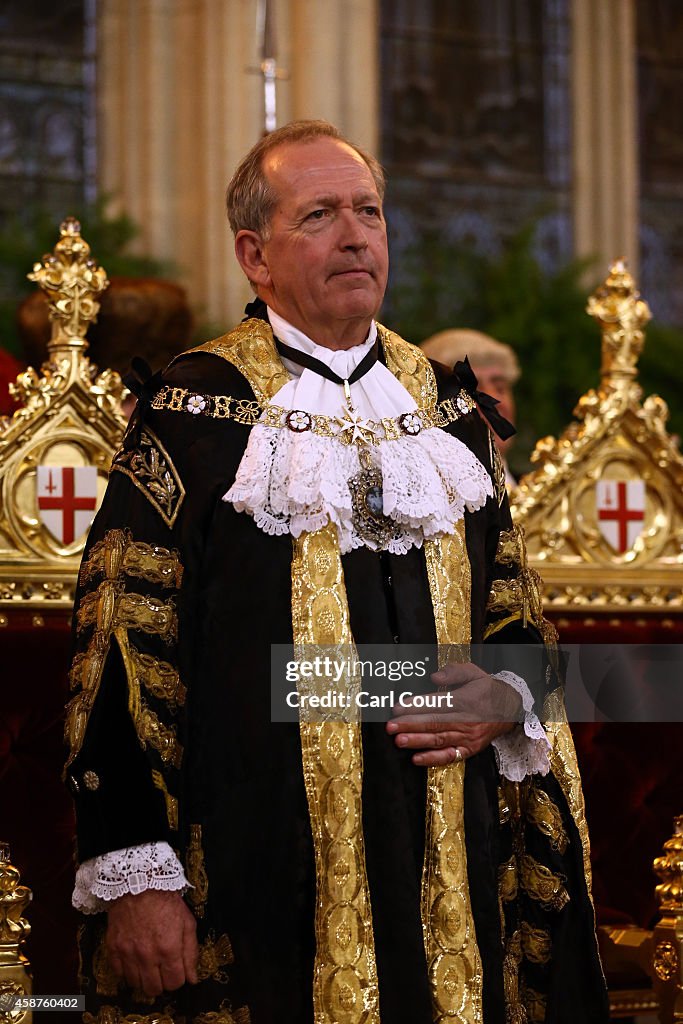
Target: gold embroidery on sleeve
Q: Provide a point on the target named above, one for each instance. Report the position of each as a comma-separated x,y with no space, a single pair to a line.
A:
151,470
535,1003
117,553
112,612
214,955
512,547
536,944
196,872
514,1010
507,880
224,1016
541,884
545,815
110,606
171,801
159,677
112,1015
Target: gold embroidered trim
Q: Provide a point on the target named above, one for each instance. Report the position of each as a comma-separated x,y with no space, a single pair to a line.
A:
497,470
196,872
112,1015
151,469
150,730
251,349
110,607
214,954
535,1003
345,985
565,768
546,816
106,982
536,944
277,417
224,1016
171,801
453,959
514,1010
507,880
512,547
520,594
112,611
541,884
118,554
411,368
159,677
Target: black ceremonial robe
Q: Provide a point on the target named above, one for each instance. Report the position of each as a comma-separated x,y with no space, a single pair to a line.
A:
382,918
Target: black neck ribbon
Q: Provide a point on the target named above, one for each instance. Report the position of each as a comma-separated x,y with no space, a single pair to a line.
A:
317,365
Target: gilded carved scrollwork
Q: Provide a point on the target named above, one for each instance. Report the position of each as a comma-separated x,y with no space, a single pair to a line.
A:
15,979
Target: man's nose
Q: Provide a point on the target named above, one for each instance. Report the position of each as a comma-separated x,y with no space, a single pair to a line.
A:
351,232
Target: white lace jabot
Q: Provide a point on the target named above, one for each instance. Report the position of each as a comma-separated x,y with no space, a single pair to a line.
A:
294,482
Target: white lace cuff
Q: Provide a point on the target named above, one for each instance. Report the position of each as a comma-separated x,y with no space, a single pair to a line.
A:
524,750
133,870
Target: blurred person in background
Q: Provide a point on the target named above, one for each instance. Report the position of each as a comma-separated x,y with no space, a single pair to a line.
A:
495,366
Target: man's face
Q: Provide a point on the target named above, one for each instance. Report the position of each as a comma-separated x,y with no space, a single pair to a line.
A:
324,264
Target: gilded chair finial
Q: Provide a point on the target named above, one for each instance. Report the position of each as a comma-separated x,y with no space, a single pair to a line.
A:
622,314
73,283
14,928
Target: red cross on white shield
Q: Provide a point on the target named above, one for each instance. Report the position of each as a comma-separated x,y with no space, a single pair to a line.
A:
620,511
67,500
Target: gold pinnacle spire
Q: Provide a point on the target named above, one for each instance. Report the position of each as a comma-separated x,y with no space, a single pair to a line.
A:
622,314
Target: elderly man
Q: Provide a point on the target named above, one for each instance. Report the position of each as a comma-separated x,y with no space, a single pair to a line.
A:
306,479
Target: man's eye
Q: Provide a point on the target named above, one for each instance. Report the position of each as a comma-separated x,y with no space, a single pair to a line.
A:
317,214
371,211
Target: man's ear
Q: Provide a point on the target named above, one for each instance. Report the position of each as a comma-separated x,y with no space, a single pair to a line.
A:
251,257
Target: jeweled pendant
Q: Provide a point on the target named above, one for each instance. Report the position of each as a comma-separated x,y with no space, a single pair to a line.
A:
367,501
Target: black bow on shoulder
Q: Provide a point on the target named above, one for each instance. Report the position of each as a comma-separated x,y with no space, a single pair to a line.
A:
256,309
144,385
465,374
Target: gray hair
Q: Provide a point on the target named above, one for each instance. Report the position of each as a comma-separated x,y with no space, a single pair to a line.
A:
450,346
250,199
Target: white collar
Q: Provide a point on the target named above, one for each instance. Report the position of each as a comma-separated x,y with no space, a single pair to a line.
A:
296,482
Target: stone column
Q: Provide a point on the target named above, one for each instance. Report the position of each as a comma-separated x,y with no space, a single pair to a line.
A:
178,108
605,100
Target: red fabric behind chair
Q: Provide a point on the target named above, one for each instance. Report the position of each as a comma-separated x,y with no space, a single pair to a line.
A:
36,815
632,785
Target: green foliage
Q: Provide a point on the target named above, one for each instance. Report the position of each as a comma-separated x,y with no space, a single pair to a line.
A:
26,236
540,313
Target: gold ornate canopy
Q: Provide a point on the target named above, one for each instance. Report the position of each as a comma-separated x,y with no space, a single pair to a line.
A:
56,449
603,510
